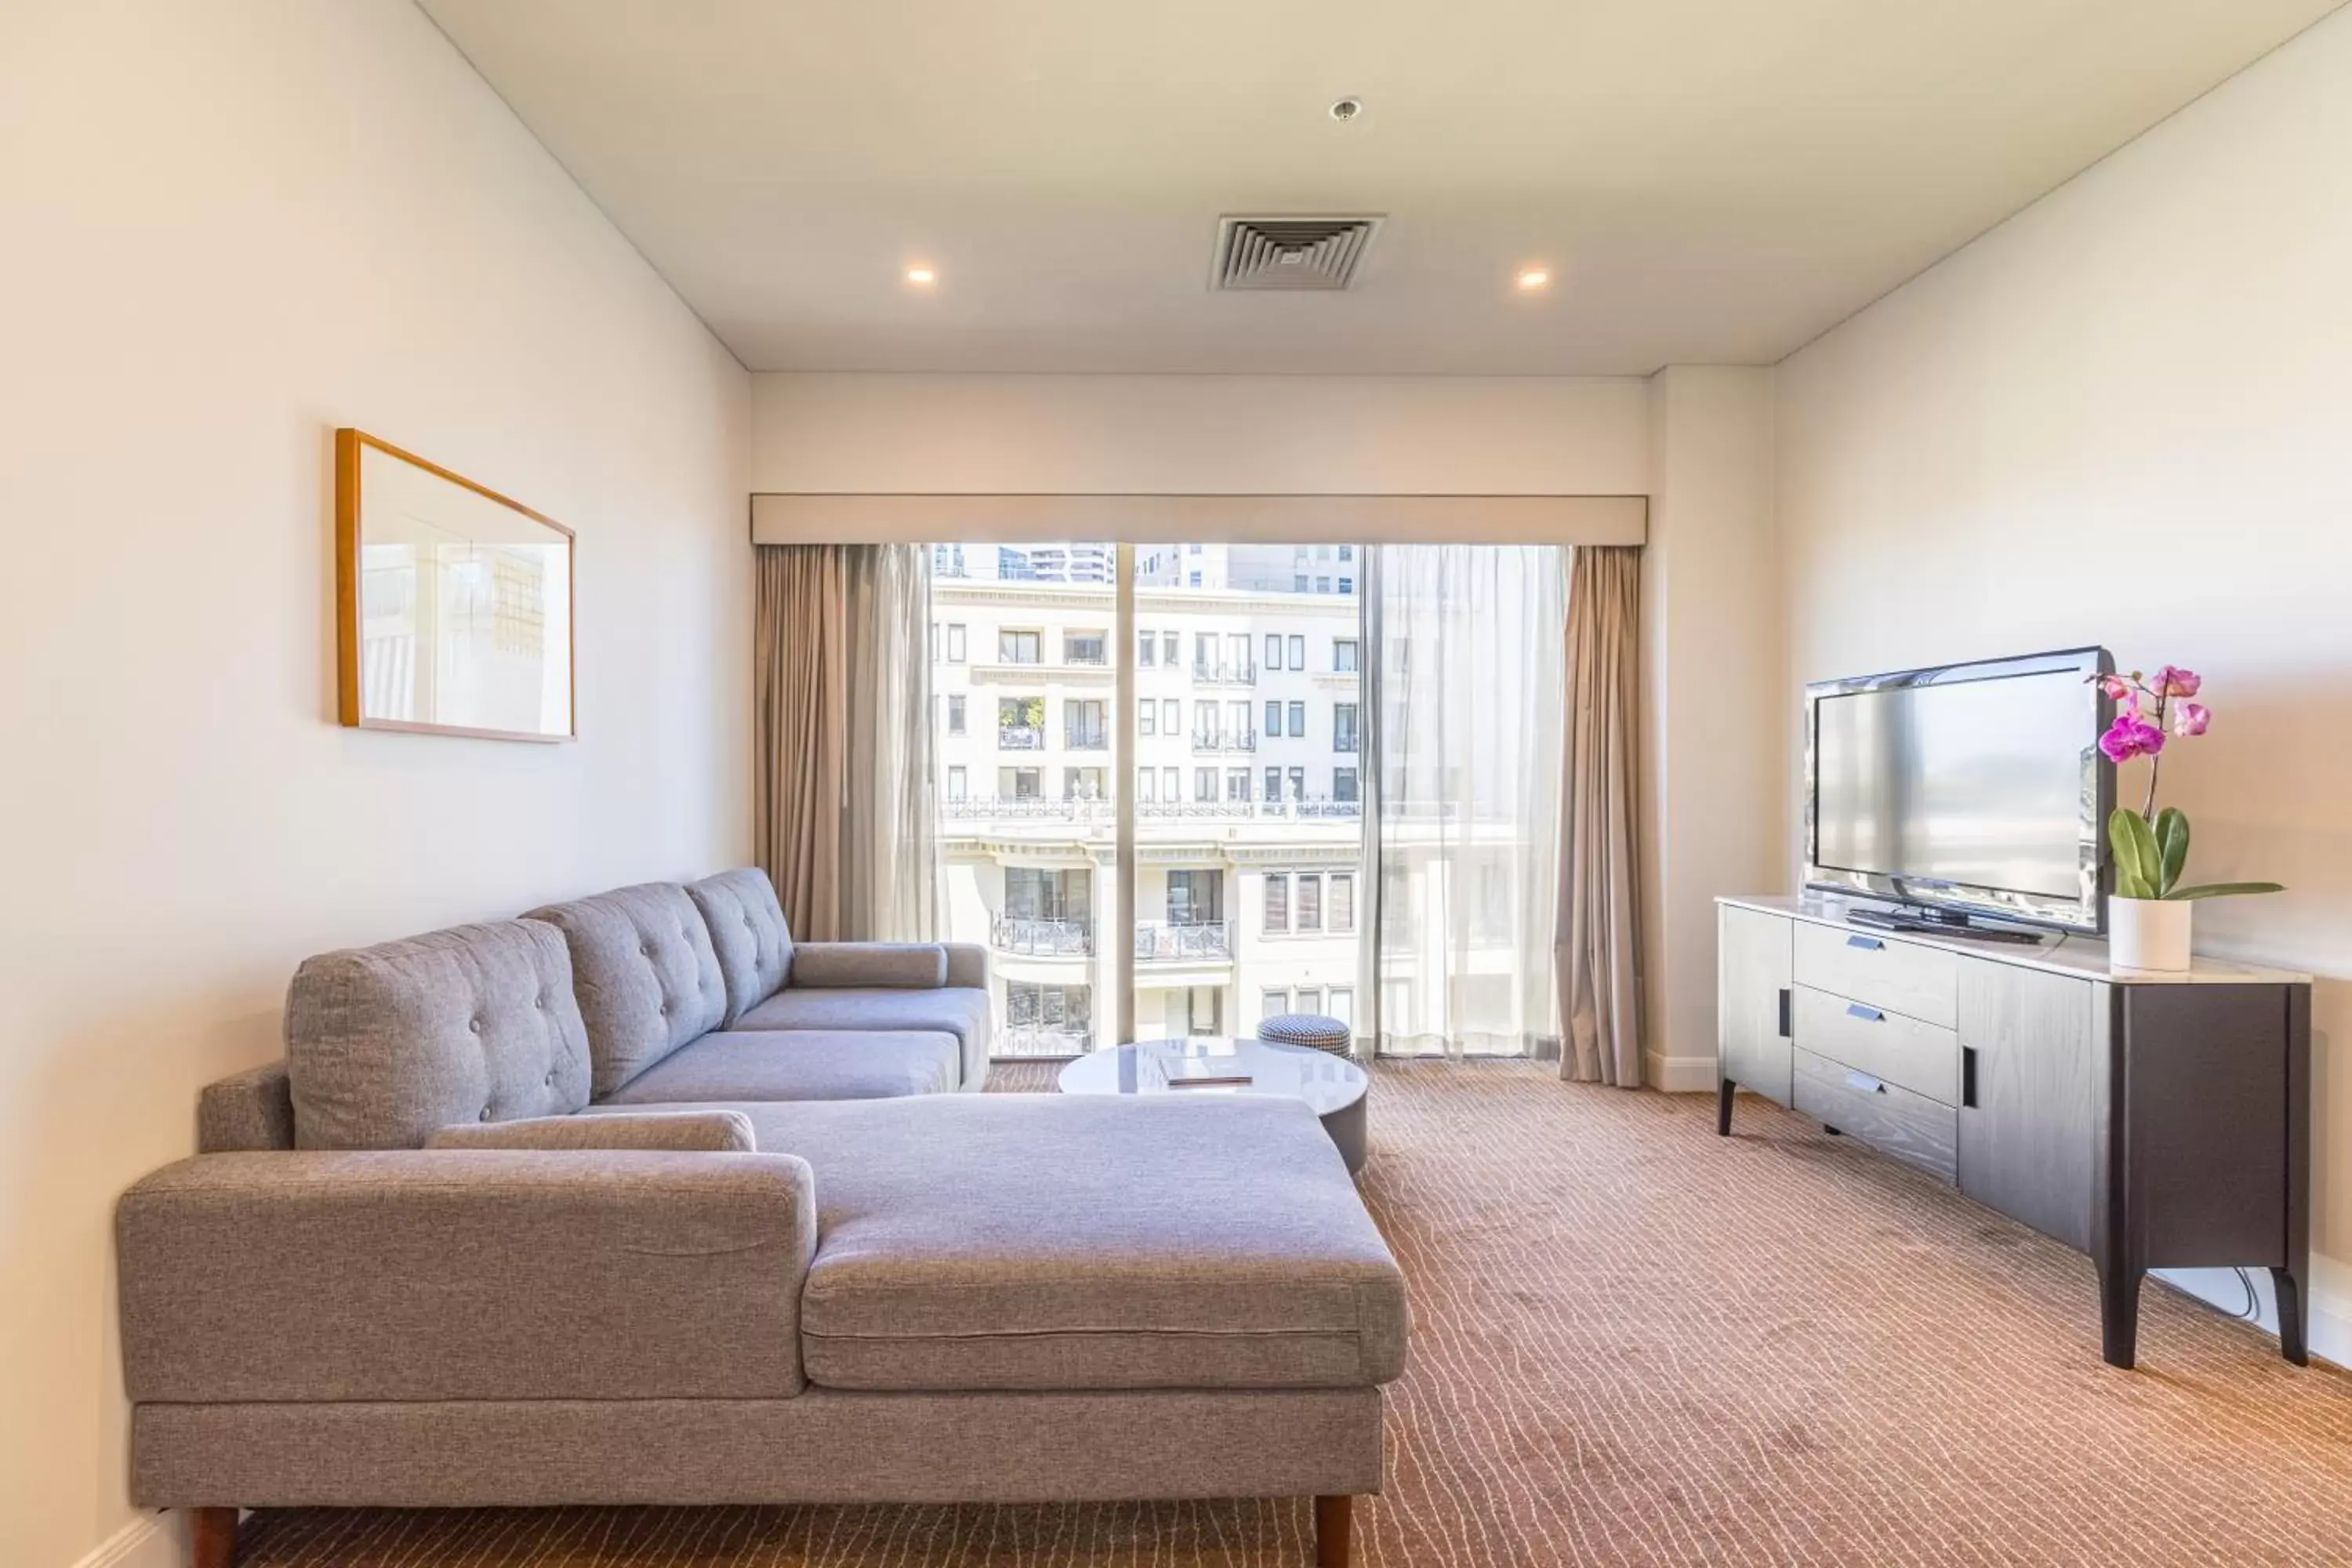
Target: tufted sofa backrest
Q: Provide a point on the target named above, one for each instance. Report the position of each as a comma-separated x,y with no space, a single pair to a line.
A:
386,1045
748,932
645,975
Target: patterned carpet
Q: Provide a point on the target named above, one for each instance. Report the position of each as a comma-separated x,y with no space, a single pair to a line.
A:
1637,1343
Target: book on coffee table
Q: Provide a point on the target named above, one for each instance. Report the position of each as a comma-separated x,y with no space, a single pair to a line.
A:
1205,1072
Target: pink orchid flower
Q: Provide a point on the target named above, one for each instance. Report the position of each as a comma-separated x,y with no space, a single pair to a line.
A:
2131,736
2190,719
2174,681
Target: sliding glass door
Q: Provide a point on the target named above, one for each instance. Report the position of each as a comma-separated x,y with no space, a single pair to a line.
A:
1236,729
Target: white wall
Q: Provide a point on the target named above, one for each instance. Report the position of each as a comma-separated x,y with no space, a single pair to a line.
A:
1173,435
229,228
2125,416
1714,811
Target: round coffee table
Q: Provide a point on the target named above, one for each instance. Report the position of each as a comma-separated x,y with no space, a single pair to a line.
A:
1333,1087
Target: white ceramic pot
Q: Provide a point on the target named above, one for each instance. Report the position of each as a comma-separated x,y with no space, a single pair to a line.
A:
2149,933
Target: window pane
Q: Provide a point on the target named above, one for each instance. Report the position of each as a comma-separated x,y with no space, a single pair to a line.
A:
1273,1004
1344,654
1277,901
955,714
1343,902
1172,720
1310,999
1084,648
1298,646
1237,785
1146,644
1274,650
955,643
1273,717
1143,790
1299,720
1344,787
1310,903
1342,1005
1204,785
1168,650
1145,715
1343,727
955,783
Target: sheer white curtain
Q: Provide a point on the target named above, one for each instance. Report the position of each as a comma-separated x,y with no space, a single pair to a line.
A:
1465,701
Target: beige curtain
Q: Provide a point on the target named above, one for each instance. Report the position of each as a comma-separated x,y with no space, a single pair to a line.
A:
1599,922
843,739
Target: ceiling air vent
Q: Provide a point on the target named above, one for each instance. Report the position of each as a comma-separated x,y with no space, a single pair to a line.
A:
1290,253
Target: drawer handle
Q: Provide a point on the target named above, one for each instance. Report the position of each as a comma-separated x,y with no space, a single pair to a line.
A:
1864,1081
1867,943
1868,1014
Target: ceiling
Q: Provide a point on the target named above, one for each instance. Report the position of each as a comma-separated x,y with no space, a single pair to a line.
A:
1708,181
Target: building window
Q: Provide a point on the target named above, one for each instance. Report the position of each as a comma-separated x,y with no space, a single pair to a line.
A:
1020,723
1273,651
1346,655
956,784
1084,727
1347,584
1146,715
955,713
1196,898
1272,717
1343,785
1343,727
955,643
1195,577
1310,903
1204,785
1171,715
1342,1005
1168,650
1084,648
1146,644
1237,785
1020,783
1298,583
1347,552
1273,1003
1171,786
1020,647
1299,720
1237,718
1082,784
1310,999
1273,784
1322,585
1204,653
1277,901
1298,652
1237,649
1343,902
1143,777
1298,784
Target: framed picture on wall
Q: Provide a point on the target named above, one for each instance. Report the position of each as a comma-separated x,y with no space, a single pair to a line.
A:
453,603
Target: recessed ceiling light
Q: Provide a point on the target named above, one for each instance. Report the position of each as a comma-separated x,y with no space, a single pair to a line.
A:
1346,108
1532,278
921,277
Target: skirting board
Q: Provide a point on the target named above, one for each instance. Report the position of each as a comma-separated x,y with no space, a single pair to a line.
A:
1680,1075
151,1541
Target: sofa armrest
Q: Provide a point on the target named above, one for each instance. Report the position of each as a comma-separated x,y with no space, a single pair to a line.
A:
894,965
465,1275
968,965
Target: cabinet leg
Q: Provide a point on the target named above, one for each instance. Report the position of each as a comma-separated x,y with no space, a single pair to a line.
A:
2119,1313
212,1538
1723,1099
1334,1528
2288,1286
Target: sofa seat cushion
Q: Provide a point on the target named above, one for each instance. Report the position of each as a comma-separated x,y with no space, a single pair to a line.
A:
858,1064
1086,1242
960,1011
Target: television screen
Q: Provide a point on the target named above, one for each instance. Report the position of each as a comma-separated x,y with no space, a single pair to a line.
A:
1979,783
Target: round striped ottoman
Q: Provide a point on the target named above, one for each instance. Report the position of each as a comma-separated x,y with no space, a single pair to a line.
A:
1307,1029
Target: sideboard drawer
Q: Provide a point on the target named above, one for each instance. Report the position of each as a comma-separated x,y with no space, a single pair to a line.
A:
1919,1057
1903,977
1889,1118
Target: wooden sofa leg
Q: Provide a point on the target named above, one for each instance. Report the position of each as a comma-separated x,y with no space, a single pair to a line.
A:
1334,1523
212,1538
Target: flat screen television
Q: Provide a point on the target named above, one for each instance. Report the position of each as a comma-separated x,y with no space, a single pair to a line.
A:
1964,790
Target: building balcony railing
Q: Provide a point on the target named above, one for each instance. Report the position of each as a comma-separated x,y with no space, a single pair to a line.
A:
1223,674
1044,1040
1210,942
1042,939
1245,741
1043,808
1086,740
1020,738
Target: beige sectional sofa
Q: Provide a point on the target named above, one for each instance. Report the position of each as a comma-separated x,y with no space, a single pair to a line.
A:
636,1201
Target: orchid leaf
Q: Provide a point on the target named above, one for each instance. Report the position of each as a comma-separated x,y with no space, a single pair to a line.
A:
2137,867
2172,846
2226,890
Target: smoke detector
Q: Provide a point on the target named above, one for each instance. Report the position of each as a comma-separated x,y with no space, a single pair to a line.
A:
1292,254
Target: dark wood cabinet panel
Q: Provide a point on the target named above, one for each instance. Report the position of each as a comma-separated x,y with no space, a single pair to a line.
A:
2028,1107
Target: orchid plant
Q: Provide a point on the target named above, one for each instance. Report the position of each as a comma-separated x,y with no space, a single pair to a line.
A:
2152,847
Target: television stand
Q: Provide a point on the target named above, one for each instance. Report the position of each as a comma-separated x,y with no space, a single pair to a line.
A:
1933,925
2147,1121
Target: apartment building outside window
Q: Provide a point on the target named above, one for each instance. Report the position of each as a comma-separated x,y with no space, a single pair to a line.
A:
1083,648
1299,720
1297,650
1345,654
1343,727
1083,725
955,713
1020,723
955,642
1020,647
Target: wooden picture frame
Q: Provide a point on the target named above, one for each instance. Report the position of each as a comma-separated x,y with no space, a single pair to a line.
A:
454,605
